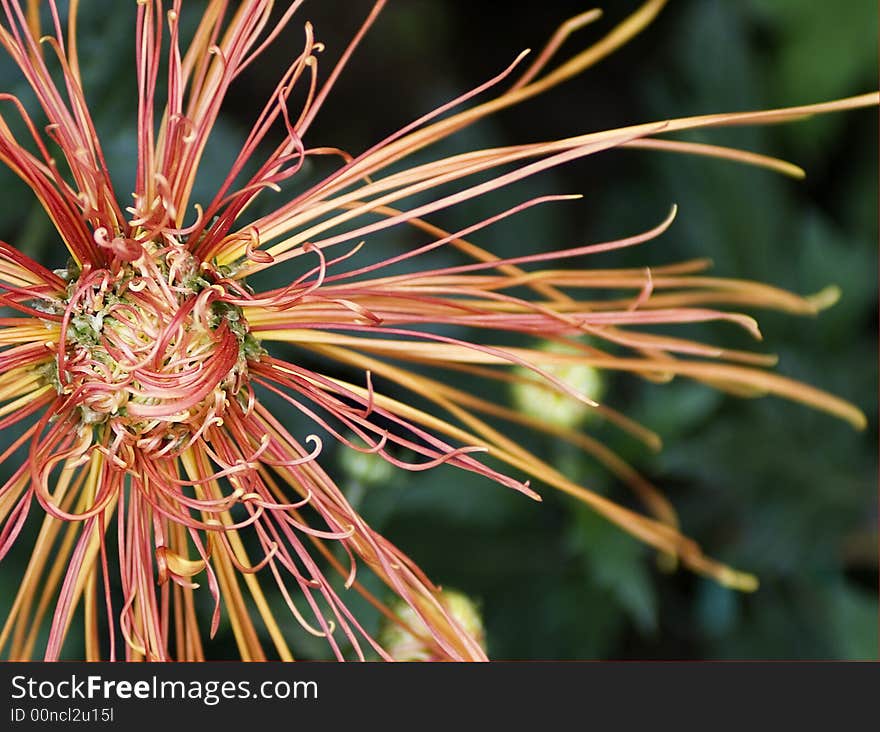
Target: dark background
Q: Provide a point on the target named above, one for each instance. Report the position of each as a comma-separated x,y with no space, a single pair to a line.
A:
764,485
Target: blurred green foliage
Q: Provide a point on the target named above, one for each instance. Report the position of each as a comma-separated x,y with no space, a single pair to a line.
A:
764,485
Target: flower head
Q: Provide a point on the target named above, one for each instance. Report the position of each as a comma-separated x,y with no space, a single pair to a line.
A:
137,374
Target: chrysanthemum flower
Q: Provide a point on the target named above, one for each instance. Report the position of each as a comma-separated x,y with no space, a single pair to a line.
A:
157,476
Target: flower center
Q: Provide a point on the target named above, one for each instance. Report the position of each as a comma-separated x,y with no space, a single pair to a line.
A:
153,349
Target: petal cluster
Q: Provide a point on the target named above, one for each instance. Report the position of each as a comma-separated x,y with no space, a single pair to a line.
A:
154,471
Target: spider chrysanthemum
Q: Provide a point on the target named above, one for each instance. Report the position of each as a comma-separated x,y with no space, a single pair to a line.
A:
160,485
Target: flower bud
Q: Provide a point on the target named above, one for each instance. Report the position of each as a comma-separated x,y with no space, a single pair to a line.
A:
365,468
536,397
403,645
